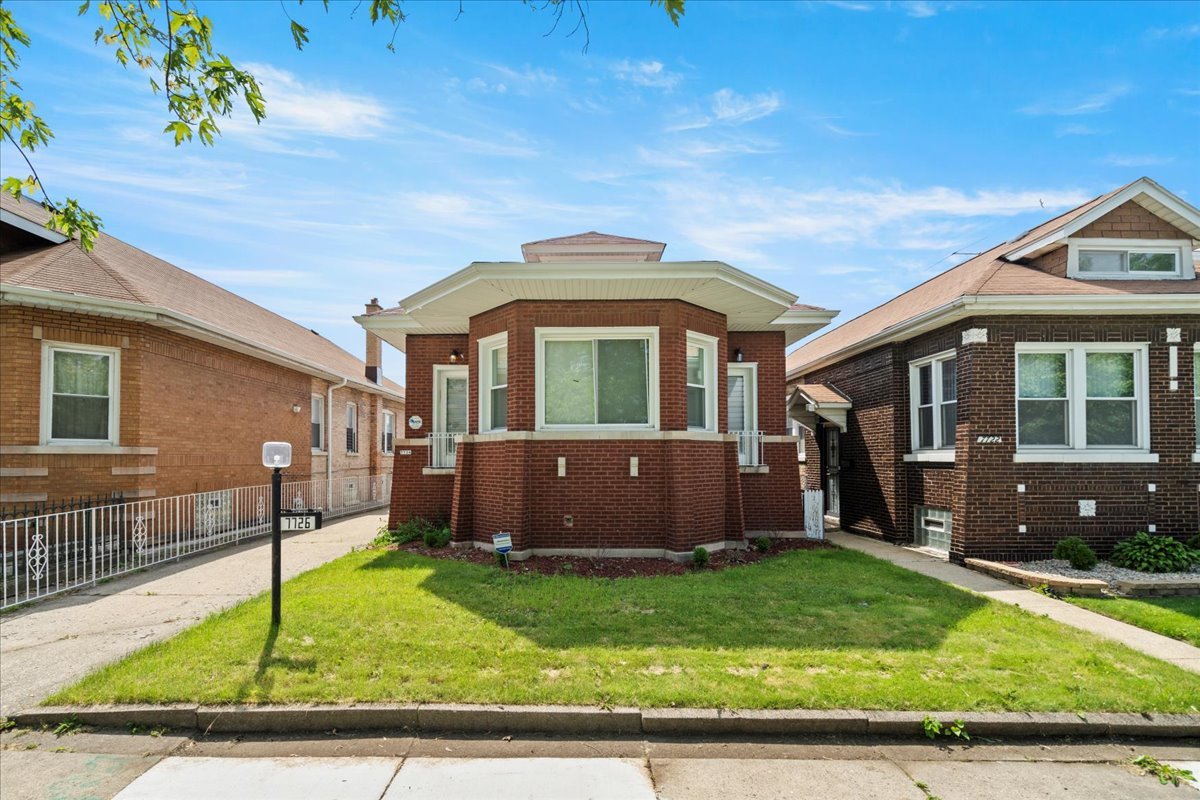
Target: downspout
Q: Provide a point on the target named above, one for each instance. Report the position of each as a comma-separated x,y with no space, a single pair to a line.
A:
329,443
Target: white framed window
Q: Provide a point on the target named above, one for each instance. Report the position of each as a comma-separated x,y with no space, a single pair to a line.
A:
493,383
1196,392
387,427
798,430
317,424
933,401
80,394
1139,259
351,428
1082,397
701,382
596,378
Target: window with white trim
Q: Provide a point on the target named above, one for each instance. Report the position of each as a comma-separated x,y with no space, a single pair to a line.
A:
1095,259
798,430
597,378
701,382
1082,397
933,401
80,394
351,428
317,424
387,440
1196,389
493,383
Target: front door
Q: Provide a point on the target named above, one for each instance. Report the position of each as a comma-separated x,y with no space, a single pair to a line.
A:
833,471
449,414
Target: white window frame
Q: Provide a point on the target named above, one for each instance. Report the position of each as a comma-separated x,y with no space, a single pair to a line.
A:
1196,397
935,361
1180,248
486,346
750,368
114,392
318,401
543,335
1077,448
383,419
440,373
352,424
709,343
798,430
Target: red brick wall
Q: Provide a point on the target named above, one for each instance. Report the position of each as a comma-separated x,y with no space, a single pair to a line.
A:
774,501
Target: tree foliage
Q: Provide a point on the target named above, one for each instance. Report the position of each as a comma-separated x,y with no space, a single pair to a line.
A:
172,42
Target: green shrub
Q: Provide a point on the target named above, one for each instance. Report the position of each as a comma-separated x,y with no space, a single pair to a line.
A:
1147,553
415,529
1076,551
1194,542
762,544
699,558
437,537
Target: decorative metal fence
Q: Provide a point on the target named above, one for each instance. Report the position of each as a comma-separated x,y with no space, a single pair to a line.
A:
35,509
52,553
750,447
443,449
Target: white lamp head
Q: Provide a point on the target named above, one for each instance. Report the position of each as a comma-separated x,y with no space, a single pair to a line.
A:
277,455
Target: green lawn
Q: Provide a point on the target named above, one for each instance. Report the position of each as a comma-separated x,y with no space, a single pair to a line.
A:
807,629
1177,617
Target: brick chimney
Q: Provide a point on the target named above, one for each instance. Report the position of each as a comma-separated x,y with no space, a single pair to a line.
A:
374,347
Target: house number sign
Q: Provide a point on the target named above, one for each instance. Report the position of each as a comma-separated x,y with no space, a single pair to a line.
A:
415,422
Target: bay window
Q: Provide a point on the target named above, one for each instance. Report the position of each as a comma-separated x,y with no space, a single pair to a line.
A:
80,394
595,378
493,383
701,382
933,401
1082,397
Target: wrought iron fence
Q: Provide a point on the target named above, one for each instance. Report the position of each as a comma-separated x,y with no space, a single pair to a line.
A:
51,553
443,448
34,509
750,447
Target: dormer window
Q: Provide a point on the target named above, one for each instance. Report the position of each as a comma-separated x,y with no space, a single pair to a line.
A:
1102,259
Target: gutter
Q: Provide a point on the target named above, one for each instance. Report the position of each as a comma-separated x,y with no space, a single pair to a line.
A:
329,442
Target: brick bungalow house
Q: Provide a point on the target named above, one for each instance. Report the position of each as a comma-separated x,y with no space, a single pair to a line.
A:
1046,388
595,398
125,374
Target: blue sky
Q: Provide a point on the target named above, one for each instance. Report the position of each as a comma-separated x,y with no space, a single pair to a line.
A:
841,150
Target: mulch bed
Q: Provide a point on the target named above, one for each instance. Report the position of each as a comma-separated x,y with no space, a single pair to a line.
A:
614,567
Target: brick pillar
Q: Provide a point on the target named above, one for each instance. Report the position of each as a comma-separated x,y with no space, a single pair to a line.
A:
462,525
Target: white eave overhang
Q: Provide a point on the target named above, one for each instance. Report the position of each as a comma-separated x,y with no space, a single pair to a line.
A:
29,226
1145,192
182,324
806,409
749,304
1006,305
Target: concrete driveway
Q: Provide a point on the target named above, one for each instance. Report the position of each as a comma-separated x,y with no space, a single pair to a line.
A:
56,642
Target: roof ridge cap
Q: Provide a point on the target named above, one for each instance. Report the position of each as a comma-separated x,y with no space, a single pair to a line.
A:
116,275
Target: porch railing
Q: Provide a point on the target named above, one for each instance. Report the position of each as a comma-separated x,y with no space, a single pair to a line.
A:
443,448
750,447
52,553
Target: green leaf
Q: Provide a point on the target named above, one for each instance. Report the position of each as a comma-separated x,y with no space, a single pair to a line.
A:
181,131
299,35
83,9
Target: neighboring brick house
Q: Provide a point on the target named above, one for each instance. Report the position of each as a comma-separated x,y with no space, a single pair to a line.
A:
1046,388
583,401
123,374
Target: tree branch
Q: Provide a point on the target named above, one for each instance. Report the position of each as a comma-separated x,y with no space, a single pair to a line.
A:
36,177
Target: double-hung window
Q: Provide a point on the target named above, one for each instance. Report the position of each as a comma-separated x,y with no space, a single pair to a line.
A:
317,424
80,394
388,438
701,382
933,403
1196,392
493,383
1088,398
597,378
1094,259
351,428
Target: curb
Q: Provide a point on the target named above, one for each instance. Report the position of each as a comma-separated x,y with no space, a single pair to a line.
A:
587,720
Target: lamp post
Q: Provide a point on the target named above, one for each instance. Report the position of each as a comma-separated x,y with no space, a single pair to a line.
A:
276,456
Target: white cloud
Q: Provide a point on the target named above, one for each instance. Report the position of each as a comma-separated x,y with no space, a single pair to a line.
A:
847,5
842,269
920,9
1064,106
728,106
651,74
255,277
1184,32
838,130
1114,160
1075,130
299,109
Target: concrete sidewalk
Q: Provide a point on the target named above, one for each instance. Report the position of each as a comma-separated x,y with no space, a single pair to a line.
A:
56,642
1176,652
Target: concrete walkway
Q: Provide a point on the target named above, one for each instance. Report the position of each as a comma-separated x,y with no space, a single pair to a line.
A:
1176,652
56,642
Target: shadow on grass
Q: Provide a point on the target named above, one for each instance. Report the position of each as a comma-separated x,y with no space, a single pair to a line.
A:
826,599
261,683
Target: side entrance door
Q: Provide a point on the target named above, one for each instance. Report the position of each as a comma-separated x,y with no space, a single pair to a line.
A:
449,414
833,471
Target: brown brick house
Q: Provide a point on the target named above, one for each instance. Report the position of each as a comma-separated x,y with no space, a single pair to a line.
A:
595,398
1048,387
123,374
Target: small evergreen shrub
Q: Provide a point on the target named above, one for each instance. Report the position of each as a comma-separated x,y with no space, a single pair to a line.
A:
1075,550
1147,553
762,544
1194,542
699,558
412,530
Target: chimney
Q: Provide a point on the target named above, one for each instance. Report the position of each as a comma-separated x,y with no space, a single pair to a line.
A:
374,347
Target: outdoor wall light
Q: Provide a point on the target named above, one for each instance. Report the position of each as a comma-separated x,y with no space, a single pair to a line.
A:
737,354
295,408
456,356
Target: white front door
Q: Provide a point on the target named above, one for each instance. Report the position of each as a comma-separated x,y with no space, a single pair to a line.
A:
449,414
742,405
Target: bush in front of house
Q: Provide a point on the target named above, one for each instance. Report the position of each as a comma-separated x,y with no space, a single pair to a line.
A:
1075,550
437,537
1147,553
762,544
699,558
1194,542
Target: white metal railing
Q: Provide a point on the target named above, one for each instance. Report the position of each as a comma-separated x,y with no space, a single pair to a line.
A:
443,448
52,553
750,447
